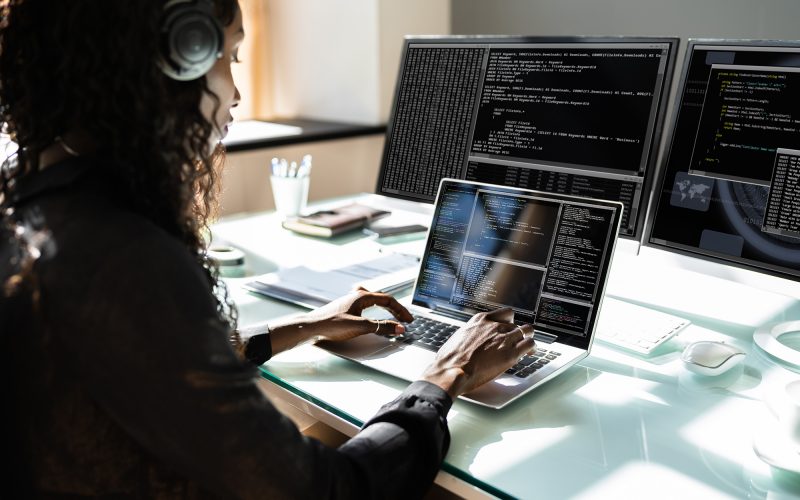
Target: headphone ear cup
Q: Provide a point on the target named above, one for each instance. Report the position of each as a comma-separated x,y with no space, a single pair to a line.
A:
191,39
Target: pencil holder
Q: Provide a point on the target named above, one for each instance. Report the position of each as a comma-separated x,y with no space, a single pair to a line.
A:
290,194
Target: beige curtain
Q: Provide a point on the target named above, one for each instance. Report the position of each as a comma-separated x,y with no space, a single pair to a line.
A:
254,75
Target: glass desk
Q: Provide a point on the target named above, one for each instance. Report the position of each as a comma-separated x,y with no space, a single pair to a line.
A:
614,426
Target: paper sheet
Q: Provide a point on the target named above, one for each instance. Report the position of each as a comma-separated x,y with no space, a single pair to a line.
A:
311,288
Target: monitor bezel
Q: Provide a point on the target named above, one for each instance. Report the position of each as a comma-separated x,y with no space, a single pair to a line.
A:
660,178
658,129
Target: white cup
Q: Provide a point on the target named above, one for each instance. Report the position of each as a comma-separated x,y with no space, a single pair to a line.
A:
785,405
290,194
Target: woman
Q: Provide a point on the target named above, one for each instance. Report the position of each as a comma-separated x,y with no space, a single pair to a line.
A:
119,360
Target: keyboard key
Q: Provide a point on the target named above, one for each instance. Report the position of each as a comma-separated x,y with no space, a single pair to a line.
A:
427,333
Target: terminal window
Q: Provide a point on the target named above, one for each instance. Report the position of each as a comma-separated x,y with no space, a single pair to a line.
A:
782,213
748,113
579,117
543,257
729,189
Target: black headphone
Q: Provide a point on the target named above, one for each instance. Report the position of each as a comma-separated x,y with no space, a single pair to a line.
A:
191,39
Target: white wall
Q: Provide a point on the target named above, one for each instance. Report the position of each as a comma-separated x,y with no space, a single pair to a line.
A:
325,58
333,60
338,59
341,167
683,18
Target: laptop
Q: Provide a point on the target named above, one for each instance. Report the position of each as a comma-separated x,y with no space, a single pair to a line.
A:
545,255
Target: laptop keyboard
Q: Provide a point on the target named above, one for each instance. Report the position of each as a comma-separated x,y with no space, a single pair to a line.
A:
431,334
427,333
528,365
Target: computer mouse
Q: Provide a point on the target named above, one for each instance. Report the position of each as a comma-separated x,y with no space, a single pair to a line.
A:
708,357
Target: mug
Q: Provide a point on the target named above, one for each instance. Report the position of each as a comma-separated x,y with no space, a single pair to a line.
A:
290,194
785,405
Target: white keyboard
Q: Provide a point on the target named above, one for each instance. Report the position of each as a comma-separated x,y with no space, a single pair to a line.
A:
636,328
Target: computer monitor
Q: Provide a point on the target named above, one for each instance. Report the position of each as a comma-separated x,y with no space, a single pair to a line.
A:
728,190
570,115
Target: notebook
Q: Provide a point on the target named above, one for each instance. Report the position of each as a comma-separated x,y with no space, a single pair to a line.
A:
335,221
545,255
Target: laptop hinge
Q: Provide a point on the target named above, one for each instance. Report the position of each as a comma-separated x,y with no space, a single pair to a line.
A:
547,338
451,313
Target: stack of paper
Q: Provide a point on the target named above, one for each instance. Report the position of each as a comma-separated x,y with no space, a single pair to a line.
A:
312,288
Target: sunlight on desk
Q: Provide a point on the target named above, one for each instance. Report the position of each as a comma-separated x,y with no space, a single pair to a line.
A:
617,390
648,480
315,371
303,355
254,130
515,447
649,279
378,394
716,431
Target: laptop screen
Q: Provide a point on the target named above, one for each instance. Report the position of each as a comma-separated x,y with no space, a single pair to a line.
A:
545,255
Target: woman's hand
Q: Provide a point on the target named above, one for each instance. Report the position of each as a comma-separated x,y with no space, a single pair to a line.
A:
340,320
485,347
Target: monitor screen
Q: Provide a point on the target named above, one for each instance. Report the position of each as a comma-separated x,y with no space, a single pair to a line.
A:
728,190
576,115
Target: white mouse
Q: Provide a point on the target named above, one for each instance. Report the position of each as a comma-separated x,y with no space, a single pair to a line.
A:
711,358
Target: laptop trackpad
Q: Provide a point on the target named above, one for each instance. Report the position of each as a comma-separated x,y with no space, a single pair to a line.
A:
357,348
401,360
398,359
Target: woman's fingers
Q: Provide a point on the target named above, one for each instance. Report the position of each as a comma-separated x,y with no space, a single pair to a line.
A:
520,331
522,338
362,326
502,315
386,327
369,299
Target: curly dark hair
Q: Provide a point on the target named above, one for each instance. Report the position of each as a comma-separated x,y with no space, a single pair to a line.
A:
92,64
